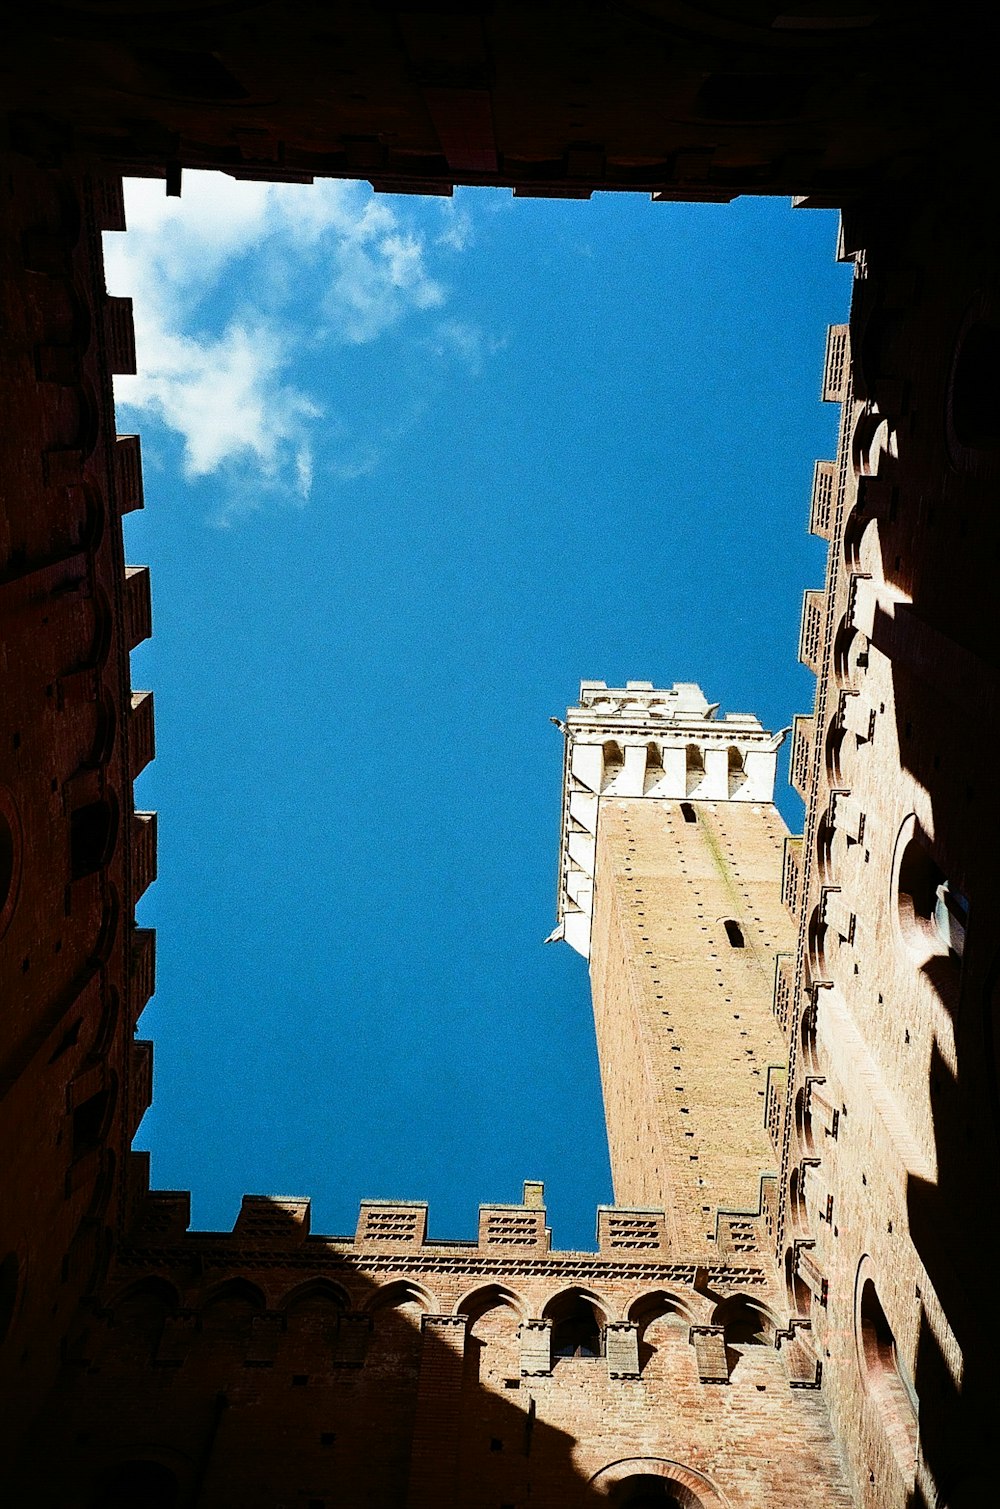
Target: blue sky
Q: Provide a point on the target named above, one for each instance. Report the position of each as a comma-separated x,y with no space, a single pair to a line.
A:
413,467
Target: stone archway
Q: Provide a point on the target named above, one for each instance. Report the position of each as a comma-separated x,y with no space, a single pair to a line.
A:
681,1485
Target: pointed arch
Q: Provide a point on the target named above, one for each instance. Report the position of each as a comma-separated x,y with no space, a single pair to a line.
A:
614,760
315,1292
745,1320
578,1319
490,1297
154,1291
658,1302
563,1298
234,1293
401,1292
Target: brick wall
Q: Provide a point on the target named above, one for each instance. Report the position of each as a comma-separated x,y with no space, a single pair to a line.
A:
685,1026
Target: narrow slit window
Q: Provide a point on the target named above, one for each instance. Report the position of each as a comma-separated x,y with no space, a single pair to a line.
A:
688,813
734,933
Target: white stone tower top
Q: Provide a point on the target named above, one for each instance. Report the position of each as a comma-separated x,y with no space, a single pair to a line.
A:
660,744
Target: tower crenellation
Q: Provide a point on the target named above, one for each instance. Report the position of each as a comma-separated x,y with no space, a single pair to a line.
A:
655,743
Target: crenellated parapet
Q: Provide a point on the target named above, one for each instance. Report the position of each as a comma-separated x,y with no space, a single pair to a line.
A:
435,1351
274,1231
657,744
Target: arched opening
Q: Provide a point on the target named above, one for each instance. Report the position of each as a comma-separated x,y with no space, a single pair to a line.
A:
229,1311
825,836
9,1273
873,438
105,729
688,813
139,1316
807,1034
92,829
816,942
10,859
975,387
490,1297
663,1327
312,1326
138,1485
644,1491
734,933
799,1292
318,1297
641,1481
148,1293
933,914
394,1344
90,1121
803,1120
492,1343
654,766
744,1323
887,1384
737,769
614,759
401,1294
6,860
797,1215
694,766
577,1327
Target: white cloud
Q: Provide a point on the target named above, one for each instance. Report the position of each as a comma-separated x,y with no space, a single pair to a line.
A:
457,232
221,281
467,343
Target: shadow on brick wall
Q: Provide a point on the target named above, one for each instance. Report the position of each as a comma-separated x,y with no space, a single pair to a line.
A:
215,1375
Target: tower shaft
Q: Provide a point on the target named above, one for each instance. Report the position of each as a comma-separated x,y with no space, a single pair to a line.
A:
687,923
671,884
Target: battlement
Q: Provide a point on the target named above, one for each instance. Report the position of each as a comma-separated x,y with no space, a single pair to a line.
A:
655,743
392,1234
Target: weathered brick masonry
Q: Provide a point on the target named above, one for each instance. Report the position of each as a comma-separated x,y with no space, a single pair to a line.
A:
785,1307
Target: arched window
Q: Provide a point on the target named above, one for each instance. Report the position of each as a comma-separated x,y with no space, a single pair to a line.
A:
975,387
745,1325
90,1121
734,933
577,1327
614,760
885,1379
694,766
91,837
9,1271
933,914
138,1485
737,769
9,861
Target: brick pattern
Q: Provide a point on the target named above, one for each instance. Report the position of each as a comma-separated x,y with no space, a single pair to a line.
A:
821,508
685,1025
220,1355
810,638
68,956
884,1048
358,1381
836,366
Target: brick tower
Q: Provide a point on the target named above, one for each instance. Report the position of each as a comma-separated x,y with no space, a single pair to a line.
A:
670,881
